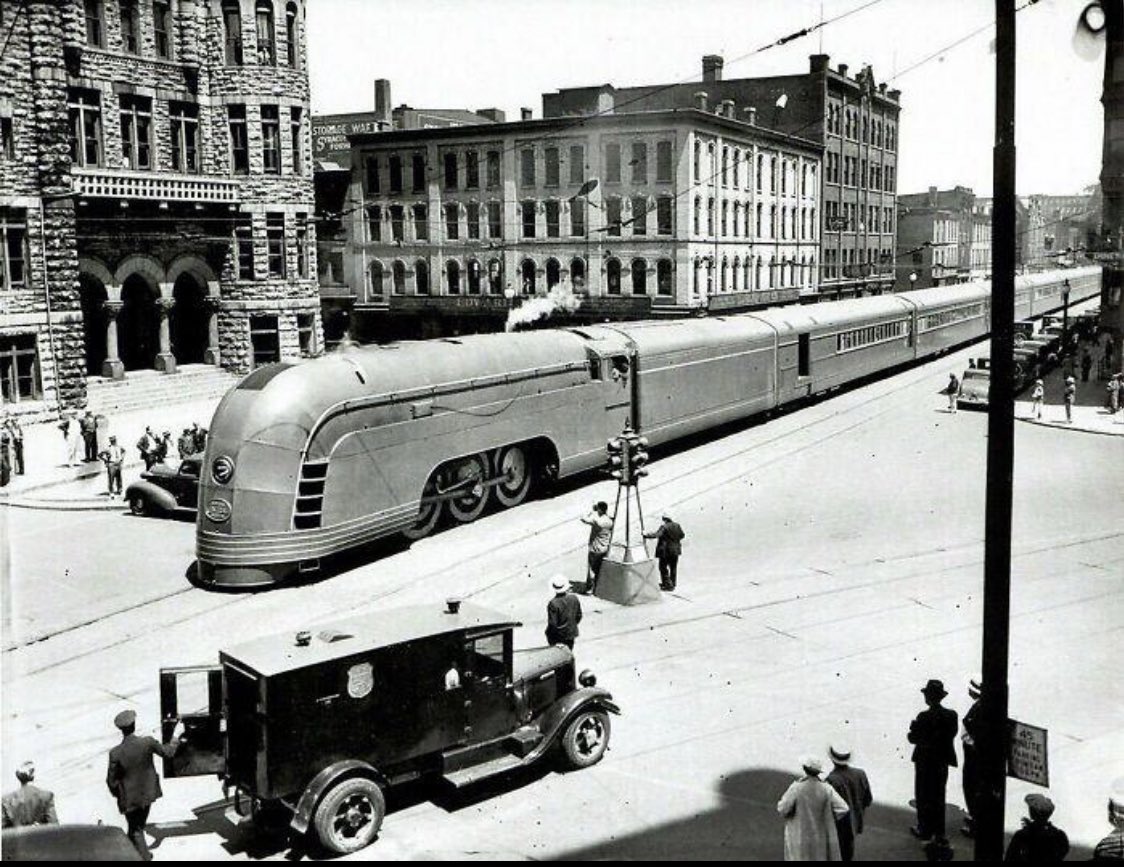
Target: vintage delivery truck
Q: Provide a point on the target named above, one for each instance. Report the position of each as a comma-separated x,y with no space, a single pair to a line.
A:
321,722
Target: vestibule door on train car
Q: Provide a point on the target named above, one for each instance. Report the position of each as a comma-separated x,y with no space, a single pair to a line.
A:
617,375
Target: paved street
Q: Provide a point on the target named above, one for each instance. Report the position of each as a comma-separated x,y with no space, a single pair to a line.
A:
833,563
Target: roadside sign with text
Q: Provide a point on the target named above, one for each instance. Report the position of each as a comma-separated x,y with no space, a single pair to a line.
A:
1027,758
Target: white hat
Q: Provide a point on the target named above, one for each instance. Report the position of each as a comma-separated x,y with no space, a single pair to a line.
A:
560,583
26,772
812,764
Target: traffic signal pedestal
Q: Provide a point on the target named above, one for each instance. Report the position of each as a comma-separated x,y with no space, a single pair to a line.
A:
629,577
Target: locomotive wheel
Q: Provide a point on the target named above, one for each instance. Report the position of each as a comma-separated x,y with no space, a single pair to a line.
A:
471,473
513,463
428,516
586,738
350,815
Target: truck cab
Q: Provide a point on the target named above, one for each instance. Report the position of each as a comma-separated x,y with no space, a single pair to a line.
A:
322,721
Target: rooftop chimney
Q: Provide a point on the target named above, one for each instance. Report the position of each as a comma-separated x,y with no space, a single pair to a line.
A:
495,115
818,62
727,108
525,113
700,100
750,114
843,69
894,94
712,67
606,101
382,99
882,88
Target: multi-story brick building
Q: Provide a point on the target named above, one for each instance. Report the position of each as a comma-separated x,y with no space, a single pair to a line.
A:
156,195
855,121
633,214
944,236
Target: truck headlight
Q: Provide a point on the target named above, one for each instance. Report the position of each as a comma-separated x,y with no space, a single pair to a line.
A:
587,678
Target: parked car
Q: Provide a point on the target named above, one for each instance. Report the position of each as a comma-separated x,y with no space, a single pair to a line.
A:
67,843
164,489
319,724
974,387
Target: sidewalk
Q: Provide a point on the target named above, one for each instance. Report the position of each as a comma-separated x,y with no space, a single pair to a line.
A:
1089,414
50,484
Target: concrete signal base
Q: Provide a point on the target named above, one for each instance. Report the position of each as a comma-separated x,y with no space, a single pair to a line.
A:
629,577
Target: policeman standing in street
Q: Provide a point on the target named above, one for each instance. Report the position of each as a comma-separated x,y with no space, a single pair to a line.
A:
669,545
563,614
132,777
600,534
28,805
932,733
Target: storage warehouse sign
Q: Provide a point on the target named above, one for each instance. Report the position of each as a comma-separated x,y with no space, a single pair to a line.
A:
330,132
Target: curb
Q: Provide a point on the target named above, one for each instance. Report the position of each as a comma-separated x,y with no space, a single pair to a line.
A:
1061,425
67,505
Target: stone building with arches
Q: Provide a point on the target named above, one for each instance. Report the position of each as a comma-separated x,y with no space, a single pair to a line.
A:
156,199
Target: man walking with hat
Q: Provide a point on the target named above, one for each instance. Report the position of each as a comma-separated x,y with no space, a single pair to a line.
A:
28,805
1038,841
811,808
669,545
132,777
932,734
854,788
563,614
971,774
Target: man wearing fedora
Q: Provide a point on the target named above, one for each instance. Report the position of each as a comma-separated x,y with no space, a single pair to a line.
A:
811,808
28,805
854,788
932,734
973,785
563,614
132,777
669,545
1038,841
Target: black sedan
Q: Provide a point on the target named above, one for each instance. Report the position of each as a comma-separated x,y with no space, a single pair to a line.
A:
164,489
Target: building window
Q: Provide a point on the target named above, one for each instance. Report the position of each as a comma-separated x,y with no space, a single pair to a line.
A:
232,32
663,215
495,220
275,244
639,162
7,139
527,210
473,209
577,217
553,273
292,38
760,209
760,170
130,29
263,17
306,334
295,139
95,30
450,171
495,276
398,273
663,277
550,155
527,167
725,217
698,216
553,219
85,127
613,216
577,274
663,161
613,163
374,223
19,368
473,277
265,340
421,222
13,254
639,215
271,139
527,276
452,223
577,164
698,162
417,165
639,277
395,173
613,277
244,251
493,169
421,277
710,217
239,141
302,246
136,132
453,277
162,27
725,167
471,170
185,136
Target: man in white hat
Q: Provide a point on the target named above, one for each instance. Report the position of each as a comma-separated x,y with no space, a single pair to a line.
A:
810,808
1111,848
28,805
973,785
854,788
563,614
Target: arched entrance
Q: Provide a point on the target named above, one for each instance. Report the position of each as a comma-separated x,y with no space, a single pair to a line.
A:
138,326
188,320
93,322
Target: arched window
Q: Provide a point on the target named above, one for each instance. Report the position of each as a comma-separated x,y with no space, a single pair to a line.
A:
725,166
421,277
639,277
725,277
698,161
757,273
772,271
613,276
473,277
710,216
527,275
495,276
709,276
399,272
577,275
697,279
698,215
453,276
735,274
263,17
553,273
232,32
748,276
375,288
162,27
292,35
663,277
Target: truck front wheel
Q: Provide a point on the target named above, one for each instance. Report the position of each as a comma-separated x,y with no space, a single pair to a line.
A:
586,738
349,815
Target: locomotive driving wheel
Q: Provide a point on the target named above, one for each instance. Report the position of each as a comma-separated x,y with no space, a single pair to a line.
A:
467,477
513,465
428,515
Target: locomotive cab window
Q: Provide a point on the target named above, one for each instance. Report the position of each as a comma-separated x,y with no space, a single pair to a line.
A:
803,355
620,366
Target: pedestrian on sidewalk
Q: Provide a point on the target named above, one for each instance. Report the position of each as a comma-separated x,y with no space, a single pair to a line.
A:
973,784
1111,848
89,427
1038,841
932,734
1070,396
600,534
199,434
15,443
1037,395
810,808
163,447
132,779
1112,390
5,460
146,445
1086,365
854,788
563,614
669,546
953,391
28,805
113,457
185,445
70,439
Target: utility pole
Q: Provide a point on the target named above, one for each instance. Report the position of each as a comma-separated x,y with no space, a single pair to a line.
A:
1112,178
1000,454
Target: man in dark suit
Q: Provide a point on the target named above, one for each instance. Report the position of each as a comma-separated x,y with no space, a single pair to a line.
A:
28,805
563,614
132,778
973,785
932,734
854,788
669,545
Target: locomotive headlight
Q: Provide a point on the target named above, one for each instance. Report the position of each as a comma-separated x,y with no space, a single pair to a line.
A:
222,470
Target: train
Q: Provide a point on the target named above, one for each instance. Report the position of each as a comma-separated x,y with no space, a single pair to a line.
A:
305,461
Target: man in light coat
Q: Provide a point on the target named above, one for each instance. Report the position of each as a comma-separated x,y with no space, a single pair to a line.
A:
810,808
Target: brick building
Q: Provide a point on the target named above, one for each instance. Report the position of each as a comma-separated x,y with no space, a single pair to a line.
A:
853,119
944,236
629,215
156,195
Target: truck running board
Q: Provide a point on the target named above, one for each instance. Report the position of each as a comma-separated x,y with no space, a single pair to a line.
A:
474,773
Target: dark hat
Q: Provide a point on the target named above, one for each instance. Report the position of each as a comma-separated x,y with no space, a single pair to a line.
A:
975,687
125,719
1040,806
840,755
934,687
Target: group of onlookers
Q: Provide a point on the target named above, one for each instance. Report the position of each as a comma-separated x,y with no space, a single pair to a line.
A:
154,449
